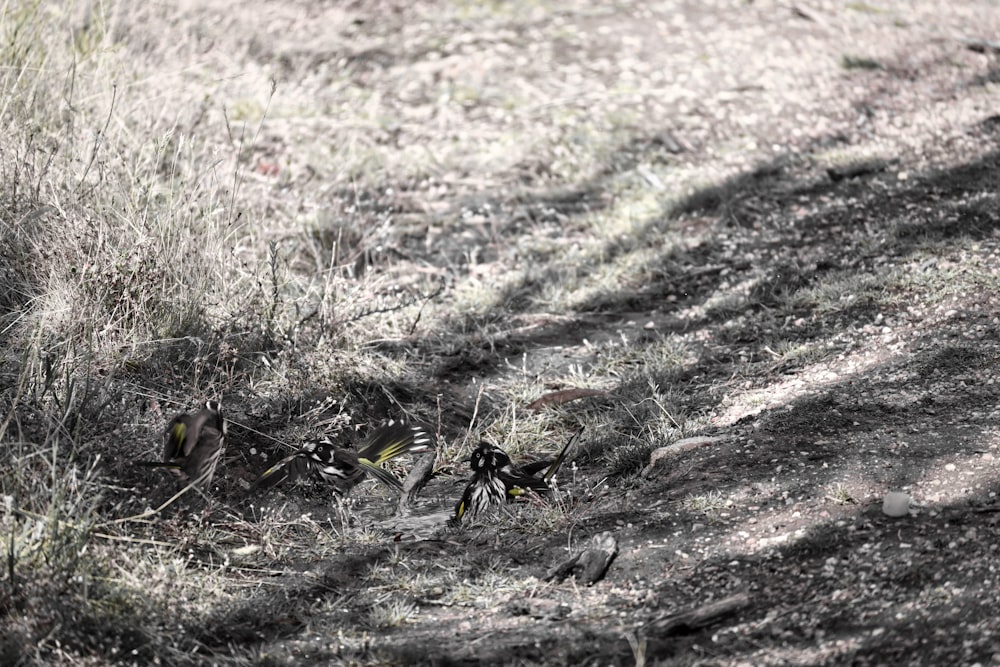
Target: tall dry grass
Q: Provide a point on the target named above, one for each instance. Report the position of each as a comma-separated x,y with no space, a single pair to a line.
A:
123,247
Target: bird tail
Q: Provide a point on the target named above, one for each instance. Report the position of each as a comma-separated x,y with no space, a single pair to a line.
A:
382,475
289,467
549,466
550,473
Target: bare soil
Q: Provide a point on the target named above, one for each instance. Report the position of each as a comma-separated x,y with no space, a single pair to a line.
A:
845,148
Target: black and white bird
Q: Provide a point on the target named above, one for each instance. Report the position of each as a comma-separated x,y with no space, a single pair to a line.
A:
343,466
487,489
496,480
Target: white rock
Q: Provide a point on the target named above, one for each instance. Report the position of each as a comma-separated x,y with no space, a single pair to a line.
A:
896,504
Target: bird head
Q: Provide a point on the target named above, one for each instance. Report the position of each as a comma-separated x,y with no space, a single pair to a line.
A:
488,457
213,414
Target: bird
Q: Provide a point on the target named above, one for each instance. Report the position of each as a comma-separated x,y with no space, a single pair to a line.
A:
487,489
342,466
193,445
496,480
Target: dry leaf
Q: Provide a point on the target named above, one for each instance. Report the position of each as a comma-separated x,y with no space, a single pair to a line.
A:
564,396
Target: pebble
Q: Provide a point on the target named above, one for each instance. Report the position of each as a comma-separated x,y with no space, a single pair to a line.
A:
896,504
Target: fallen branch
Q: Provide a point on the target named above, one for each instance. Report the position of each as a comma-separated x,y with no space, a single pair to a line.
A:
692,620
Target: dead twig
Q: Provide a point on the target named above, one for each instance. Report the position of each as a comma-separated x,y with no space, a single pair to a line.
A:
980,45
403,303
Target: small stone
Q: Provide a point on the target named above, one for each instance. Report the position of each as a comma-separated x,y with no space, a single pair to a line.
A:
896,504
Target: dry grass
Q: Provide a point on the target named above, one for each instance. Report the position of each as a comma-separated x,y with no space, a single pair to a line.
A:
331,214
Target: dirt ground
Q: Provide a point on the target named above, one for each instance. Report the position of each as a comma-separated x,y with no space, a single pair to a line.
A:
826,291
770,226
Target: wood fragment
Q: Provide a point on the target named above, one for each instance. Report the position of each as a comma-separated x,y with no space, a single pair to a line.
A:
539,608
590,565
804,13
980,45
654,181
669,141
692,620
857,169
419,475
564,396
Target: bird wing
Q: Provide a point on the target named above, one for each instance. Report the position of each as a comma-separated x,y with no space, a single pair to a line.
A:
519,485
463,504
550,466
173,437
532,468
519,481
199,422
388,442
